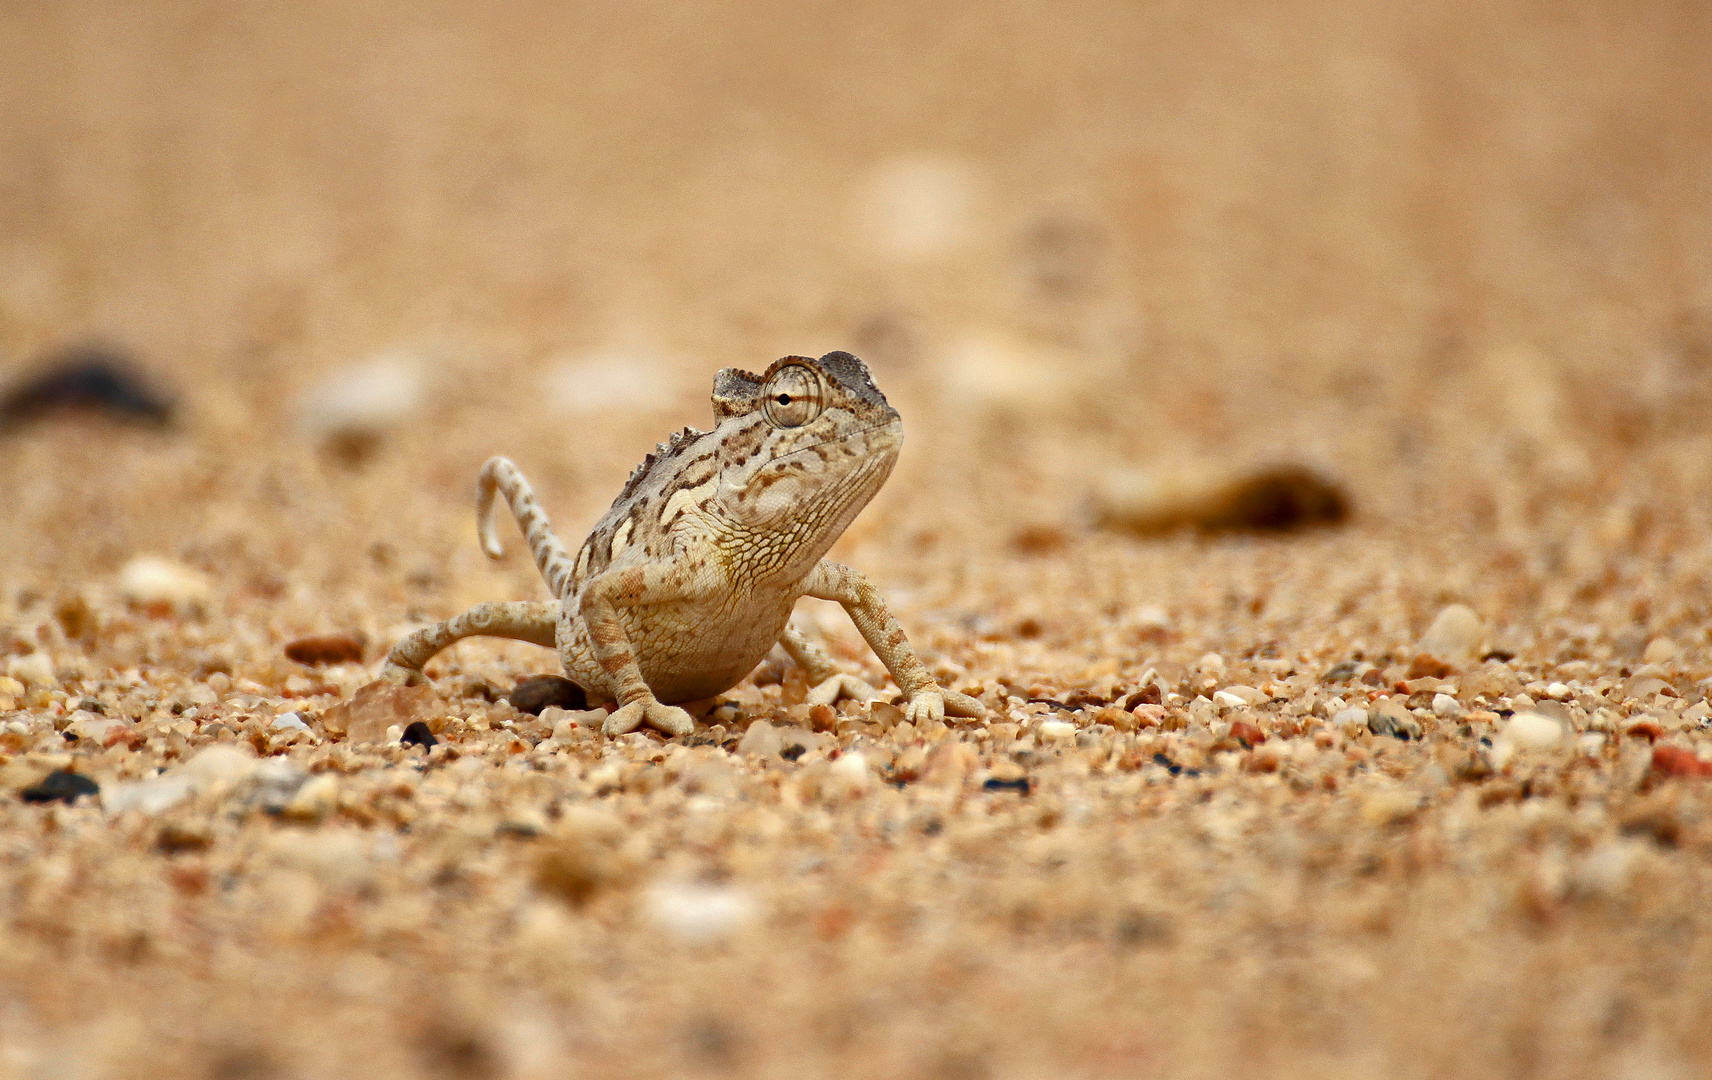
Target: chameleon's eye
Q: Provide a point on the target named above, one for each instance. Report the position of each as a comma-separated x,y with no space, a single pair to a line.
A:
794,396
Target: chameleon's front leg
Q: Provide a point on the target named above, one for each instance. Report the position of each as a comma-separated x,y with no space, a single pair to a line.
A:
927,699
601,599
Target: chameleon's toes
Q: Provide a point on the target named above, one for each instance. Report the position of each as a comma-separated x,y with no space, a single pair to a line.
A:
841,685
666,718
670,719
625,720
925,707
963,705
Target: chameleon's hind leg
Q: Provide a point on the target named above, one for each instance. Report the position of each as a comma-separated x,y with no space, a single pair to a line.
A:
534,621
826,682
499,475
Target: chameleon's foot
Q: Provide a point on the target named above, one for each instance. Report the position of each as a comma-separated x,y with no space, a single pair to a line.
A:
403,676
841,685
963,705
666,718
927,706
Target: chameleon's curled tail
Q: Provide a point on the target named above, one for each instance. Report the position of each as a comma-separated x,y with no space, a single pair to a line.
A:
500,475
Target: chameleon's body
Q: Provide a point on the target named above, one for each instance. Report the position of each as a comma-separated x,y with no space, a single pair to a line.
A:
689,579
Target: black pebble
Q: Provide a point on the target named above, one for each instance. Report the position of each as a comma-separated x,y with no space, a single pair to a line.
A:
84,379
539,692
1019,785
60,786
1170,766
792,752
417,734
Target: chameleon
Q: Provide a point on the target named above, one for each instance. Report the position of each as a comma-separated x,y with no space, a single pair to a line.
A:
685,585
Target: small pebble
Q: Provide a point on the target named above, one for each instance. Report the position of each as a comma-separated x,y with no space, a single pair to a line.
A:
163,586
314,800
696,914
1056,729
1020,784
1453,636
1660,650
351,410
1355,716
60,786
324,649
84,379
289,721
760,740
34,670
1448,708
1534,731
417,734
1246,733
1675,761
539,692
851,770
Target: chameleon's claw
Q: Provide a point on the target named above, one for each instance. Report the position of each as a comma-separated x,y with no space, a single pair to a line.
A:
666,718
841,686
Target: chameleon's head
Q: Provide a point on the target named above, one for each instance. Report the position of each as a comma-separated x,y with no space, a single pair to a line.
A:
804,446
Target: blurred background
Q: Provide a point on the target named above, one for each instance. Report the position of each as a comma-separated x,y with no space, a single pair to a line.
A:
1414,244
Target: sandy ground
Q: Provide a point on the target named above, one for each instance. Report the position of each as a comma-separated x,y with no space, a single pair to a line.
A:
1455,258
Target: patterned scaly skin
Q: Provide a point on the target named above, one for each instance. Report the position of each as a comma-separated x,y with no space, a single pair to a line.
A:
689,579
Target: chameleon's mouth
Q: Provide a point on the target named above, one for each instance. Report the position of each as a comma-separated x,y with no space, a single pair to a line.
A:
895,422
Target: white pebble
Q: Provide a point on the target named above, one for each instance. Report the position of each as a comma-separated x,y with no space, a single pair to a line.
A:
33,670
698,914
1558,691
1660,650
1352,717
149,796
1056,729
1224,699
1448,708
761,739
288,722
148,581
1532,730
363,399
851,768
217,765
88,726
1454,634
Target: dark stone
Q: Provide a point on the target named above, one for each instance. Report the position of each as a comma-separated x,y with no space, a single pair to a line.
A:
792,752
326,649
84,379
1277,500
1342,671
417,734
1147,695
540,692
1019,785
60,786
1170,766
